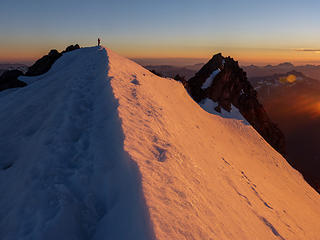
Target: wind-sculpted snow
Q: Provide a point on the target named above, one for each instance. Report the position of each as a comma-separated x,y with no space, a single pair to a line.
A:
207,176
100,148
63,171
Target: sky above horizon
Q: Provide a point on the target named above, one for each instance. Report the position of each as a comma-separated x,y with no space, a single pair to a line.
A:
254,32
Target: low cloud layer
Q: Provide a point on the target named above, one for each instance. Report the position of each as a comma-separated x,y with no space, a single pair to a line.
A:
307,50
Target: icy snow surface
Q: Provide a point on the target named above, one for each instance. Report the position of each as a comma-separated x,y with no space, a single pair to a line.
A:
206,176
209,80
101,148
67,175
209,105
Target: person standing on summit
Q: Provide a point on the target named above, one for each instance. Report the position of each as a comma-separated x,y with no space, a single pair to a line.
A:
98,41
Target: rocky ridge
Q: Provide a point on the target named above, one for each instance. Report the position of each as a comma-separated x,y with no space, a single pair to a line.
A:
9,79
230,87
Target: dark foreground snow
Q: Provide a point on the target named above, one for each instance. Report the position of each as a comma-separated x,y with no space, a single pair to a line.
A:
63,171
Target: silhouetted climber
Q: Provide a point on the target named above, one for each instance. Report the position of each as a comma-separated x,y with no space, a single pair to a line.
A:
98,41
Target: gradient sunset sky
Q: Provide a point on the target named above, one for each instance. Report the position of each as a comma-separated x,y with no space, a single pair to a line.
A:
258,32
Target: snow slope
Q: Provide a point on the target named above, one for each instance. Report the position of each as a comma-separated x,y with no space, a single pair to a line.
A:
69,176
204,176
100,148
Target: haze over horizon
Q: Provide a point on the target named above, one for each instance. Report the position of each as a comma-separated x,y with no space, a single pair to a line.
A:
157,120
285,31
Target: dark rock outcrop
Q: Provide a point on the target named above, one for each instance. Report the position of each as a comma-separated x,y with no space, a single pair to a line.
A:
71,48
44,64
196,82
156,73
231,87
9,79
181,79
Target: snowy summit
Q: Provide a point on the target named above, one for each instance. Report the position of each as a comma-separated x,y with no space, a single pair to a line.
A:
100,148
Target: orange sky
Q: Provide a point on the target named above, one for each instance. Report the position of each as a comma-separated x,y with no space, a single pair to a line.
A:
244,55
253,32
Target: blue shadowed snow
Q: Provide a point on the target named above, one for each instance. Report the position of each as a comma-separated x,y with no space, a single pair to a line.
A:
63,171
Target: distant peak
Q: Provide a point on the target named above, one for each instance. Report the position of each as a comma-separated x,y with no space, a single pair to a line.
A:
226,84
286,64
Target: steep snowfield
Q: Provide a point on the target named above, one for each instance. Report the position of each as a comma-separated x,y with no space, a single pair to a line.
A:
204,176
100,148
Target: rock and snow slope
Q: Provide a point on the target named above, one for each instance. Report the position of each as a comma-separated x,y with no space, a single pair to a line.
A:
100,148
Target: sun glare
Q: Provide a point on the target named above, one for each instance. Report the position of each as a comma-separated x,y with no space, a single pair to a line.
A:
288,79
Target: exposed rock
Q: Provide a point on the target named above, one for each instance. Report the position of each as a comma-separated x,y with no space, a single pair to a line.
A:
71,48
181,79
195,83
44,64
231,87
156,73
9,79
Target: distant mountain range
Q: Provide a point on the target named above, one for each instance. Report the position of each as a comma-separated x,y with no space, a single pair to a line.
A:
312,71
188,71
266,85
293,101
172,71
12,66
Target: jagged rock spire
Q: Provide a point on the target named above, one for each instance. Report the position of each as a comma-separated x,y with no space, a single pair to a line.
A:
231,87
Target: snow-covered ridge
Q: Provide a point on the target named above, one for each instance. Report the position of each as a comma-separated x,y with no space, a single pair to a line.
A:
63,171
104,149
205,176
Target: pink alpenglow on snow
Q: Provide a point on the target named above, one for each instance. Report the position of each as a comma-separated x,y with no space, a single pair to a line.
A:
104,149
